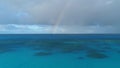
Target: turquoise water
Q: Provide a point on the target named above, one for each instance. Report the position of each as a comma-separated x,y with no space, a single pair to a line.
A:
24,51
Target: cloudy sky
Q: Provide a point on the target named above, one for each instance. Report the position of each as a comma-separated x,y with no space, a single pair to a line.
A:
60,16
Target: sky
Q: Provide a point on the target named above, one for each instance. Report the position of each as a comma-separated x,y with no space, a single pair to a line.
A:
59,16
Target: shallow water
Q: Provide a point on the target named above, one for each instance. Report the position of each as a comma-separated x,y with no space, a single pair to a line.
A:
34,52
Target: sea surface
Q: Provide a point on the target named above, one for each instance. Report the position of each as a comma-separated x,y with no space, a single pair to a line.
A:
59,51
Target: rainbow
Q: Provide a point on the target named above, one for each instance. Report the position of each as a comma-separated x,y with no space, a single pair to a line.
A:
60,16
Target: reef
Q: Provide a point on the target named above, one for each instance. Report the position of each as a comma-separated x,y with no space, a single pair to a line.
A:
92,48
42,54
97,55
4,50
72,49
118,51
80,58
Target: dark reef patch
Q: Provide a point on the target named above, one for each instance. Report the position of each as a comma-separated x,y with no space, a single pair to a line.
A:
5,50
43,53
72,48
80,58
96,55
118,51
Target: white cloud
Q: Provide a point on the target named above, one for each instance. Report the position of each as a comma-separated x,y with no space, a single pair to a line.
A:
48,29
23,29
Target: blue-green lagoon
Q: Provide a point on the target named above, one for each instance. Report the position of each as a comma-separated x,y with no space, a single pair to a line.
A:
59,51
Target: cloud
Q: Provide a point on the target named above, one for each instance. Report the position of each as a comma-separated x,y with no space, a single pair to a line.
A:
25,29
92,29
48,29
79,17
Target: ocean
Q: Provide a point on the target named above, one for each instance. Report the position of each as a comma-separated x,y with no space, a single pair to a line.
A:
59,51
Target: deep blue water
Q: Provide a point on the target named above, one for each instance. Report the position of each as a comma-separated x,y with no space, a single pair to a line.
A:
59,51
59,36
